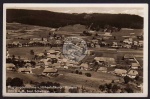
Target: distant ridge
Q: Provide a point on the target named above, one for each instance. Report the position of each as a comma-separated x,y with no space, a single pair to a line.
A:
56,19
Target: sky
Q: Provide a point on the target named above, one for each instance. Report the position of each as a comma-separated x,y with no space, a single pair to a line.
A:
112,10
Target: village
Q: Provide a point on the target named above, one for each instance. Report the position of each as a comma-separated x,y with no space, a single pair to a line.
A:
113,63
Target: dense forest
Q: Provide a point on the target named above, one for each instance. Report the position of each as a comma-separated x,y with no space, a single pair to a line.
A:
55,19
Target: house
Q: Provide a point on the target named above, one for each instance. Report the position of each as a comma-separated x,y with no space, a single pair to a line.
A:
26,60
25,70
132,73
90,52
127,41
28,65
120,72
7,54
45,62
95,41
40,54
127,46
102,69
135,65
106,60
128,57
141,43
48,71
84,66
56,65
10,66
36,39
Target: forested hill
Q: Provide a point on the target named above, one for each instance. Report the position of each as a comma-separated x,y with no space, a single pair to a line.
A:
55,19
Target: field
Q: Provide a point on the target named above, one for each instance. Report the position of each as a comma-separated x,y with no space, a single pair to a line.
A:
69,79
16,30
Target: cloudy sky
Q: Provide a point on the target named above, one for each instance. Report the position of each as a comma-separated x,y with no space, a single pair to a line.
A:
115,9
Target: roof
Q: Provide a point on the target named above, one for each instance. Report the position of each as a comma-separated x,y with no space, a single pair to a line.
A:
85,65
106,59
28,64
120,71
135,64
51,56
50,70
40,54
100,58
51,51
133,72
10,65
24,69
128,56
103,68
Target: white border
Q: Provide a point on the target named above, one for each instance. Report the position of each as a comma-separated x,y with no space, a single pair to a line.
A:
145,58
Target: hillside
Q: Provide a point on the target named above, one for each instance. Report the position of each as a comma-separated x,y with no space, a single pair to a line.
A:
55,19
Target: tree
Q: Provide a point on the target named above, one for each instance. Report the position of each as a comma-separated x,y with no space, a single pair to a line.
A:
88,74
137,77
115,88
129,89
33,63
77,72
114,37
8,81
126,79
80,73
102,87
16,82
109,86
31,52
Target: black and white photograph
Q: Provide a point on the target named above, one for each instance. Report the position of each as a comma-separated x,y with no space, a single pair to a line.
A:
72,50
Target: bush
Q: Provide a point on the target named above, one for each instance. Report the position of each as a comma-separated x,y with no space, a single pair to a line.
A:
102,87
16,82
129,90
88,74
115,88
77,72
126,79
8,81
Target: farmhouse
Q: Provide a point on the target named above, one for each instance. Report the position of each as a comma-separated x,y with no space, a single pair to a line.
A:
102,69
10,66
25,70
132,73
48,71
120,72
135,65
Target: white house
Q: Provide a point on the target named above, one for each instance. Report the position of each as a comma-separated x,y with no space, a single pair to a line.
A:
10,66
132,73
120,72
25,70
